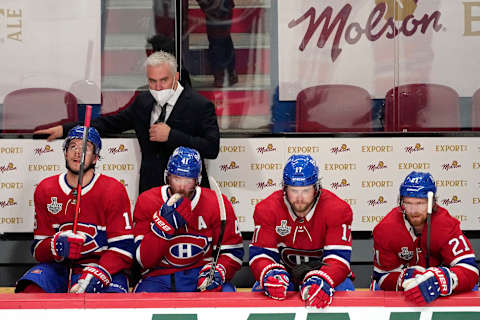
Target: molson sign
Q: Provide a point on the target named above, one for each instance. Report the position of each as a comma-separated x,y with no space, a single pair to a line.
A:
376,43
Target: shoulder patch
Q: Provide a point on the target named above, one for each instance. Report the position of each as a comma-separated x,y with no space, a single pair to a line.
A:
54,207
283,229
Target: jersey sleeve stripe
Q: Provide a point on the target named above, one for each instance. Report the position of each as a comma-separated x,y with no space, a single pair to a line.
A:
457,260
123,252
337,247
40,237
336,257
233,257
252,259
138,256
468,267
120,238
139,238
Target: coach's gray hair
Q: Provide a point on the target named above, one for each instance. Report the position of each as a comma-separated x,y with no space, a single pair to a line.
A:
161,57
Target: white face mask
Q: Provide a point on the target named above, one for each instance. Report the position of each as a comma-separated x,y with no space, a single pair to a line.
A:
162,96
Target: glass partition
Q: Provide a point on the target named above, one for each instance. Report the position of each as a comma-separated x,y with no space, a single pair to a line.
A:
268,66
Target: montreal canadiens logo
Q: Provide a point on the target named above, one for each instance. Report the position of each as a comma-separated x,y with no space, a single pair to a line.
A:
292,257
186,250
93,239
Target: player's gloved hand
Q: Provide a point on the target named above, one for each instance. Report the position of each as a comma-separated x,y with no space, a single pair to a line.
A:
94,278
168,219
408,273
316,290
434,282
66,244
275,280
217,281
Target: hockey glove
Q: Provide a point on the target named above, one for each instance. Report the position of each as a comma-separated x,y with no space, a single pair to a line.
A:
216,282
317,289
66,244
167,220
408,273
94,278
429,285
275,280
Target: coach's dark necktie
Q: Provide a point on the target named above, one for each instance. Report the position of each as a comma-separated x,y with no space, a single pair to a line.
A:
161,118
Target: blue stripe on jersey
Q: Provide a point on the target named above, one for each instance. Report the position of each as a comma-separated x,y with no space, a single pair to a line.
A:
237,252
470,261
256,251
125,244
345,254
378,275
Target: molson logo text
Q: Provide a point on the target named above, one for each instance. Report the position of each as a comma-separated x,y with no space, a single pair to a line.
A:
268,148
8,167
115,150
454,165
234,200
342,184
262,185
374,167
416,148
40,151
231,166
342,148
454,200
378,202
380,22
10,202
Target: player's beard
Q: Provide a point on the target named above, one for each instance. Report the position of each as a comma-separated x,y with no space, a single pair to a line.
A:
77,172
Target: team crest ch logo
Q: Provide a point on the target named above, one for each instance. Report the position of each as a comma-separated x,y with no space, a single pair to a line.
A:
54,207
405,254
283,229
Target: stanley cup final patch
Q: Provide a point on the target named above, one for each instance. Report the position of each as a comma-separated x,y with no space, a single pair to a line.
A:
283,229
54,207
405,254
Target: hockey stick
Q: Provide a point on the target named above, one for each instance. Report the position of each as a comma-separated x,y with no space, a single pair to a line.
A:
223,217
429,218
88,115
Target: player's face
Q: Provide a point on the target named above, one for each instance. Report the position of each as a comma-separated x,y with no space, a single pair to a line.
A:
184,186
416,211
73,156
160,77
301,199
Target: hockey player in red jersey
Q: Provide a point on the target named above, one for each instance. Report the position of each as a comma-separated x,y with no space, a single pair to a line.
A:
177,227
401,250
302,227
102,249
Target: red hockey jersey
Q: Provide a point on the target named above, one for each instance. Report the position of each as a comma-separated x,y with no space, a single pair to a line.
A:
104,218
324,234
192,245
396,247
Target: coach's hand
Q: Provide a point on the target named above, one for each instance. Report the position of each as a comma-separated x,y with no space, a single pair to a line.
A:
53,132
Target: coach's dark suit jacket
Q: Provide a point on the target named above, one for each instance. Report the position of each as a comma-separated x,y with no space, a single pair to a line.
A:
193,124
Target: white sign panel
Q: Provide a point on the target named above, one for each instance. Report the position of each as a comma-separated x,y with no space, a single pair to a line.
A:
51,44
365,172
376,44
